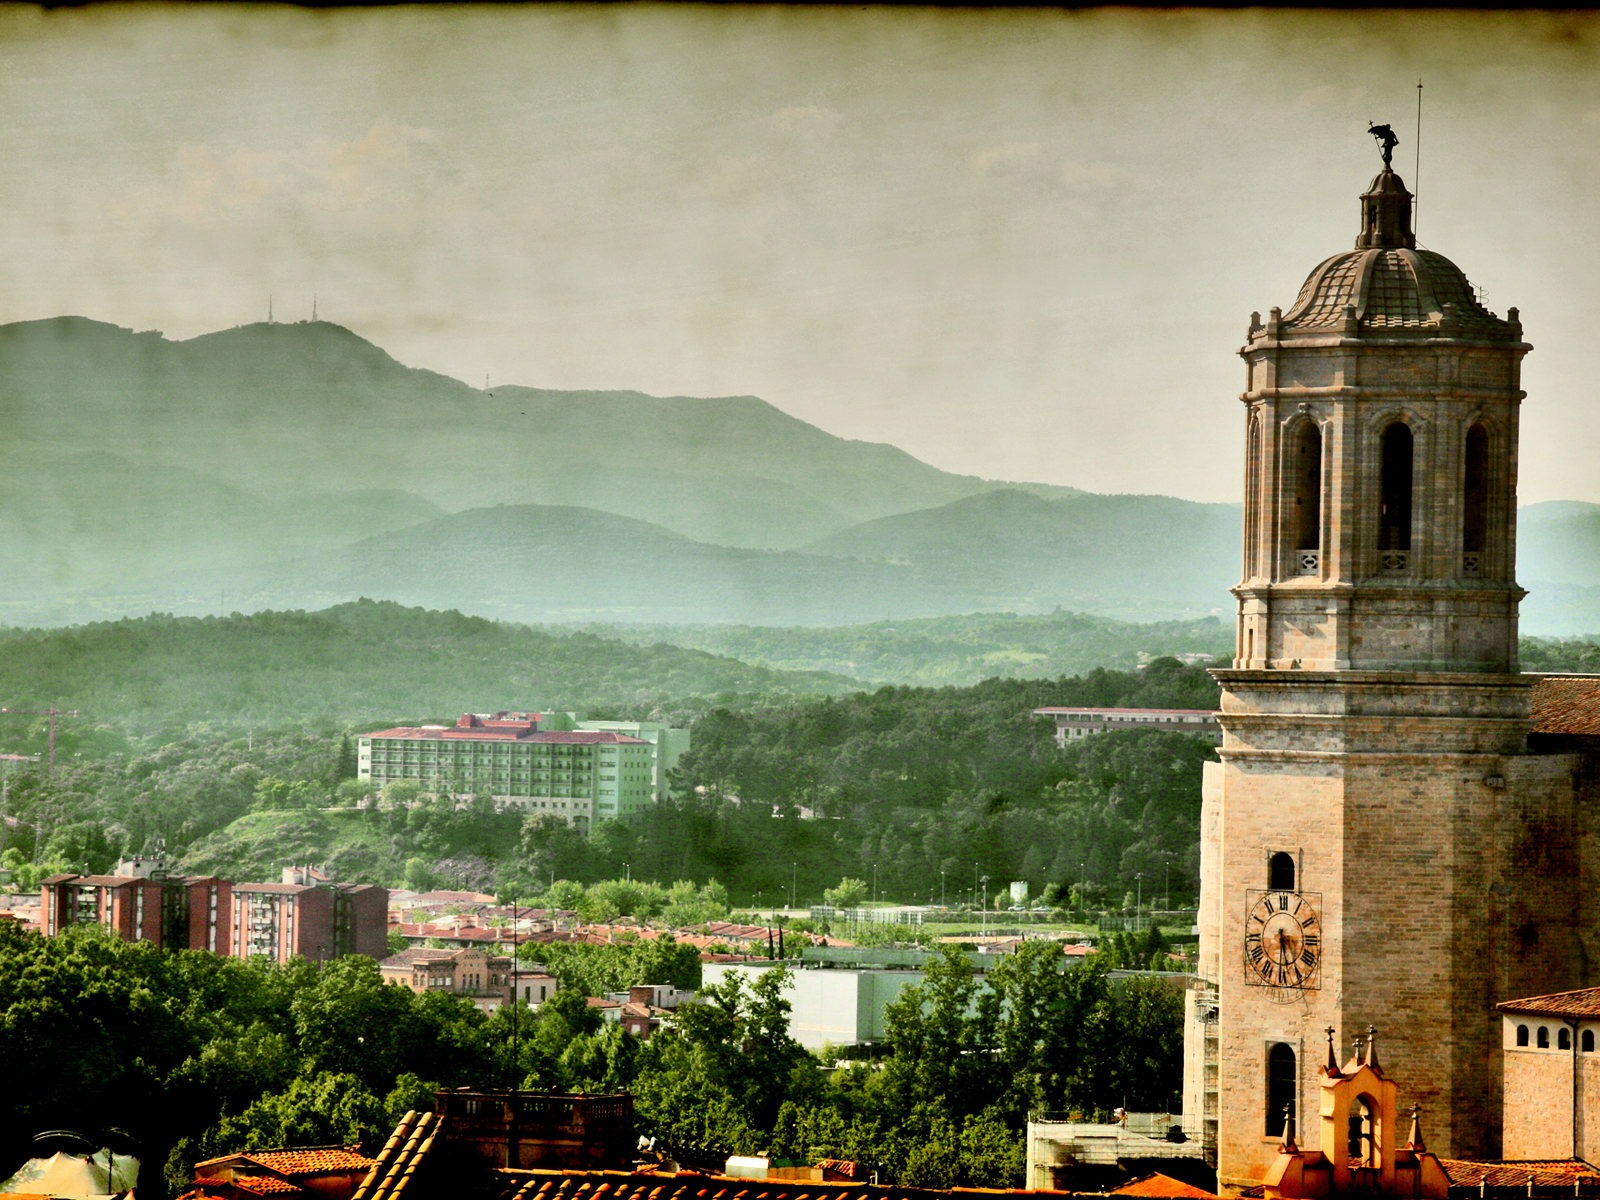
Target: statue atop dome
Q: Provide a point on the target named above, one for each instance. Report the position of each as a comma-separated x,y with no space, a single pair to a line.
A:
1387,139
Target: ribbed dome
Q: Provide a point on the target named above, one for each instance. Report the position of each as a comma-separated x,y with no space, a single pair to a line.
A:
1392,289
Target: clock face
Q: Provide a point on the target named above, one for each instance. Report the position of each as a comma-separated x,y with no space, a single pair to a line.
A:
1283,940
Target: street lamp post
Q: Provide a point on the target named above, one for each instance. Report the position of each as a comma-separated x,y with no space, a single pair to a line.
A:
941,889
983,899
794,875
1138,902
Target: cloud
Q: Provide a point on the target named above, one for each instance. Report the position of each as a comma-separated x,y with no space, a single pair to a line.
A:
1010,159
735,176
1032,164
385,177
814,122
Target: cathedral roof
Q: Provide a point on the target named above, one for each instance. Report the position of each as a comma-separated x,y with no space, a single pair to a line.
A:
1394,288
1585,1002
1567,705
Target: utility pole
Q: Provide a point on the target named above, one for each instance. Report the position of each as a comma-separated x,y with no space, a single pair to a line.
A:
52,712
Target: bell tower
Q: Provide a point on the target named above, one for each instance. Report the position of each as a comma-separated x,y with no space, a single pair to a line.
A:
1366,834
1380,487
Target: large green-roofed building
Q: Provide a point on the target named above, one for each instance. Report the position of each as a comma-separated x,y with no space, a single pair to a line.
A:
551,763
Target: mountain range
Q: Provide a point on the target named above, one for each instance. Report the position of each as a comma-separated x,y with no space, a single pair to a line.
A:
299,465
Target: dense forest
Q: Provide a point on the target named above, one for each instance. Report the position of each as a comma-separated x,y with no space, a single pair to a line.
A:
364,663
934,651
188,1056
922,790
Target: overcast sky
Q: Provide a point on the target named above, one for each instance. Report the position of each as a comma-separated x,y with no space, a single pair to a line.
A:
1019,244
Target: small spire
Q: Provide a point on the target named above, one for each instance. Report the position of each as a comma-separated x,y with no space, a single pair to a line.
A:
1416,1127
1333,1057
1372,1047
1288,1146
1386,205
1357,1044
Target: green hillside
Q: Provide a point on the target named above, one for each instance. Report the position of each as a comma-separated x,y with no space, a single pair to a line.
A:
356,663
947,650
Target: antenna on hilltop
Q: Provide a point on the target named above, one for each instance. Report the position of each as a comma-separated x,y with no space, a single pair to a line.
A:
1416,173
313,306
269,308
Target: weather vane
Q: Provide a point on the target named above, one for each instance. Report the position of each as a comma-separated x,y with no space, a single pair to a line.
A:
1387,140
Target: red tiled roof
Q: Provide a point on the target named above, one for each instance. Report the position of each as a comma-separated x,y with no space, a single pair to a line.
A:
1585,1002
646,1185
1567,704
1162,1186
276,889
1541,1172
314,1161
1154,712
451,733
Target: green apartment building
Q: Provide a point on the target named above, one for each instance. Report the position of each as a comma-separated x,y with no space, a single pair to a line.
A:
539,763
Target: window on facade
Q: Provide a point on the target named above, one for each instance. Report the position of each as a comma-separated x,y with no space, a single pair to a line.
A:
1563,1039
1522,1035
1307,499
1394,512
1280,872
1544,1038
1280,1086
1587,1041
1475,497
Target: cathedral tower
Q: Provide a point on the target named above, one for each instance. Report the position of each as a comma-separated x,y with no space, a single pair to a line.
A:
1366,835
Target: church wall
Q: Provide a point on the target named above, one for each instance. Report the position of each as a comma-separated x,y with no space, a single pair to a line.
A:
1445,859
1273,805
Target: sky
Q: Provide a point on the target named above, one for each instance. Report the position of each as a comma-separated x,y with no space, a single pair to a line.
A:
1021,244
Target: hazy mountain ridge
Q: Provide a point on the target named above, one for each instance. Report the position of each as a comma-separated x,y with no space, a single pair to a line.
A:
298,466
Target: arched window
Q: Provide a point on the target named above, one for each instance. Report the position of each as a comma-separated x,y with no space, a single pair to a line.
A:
1280,1086
1587,1041
1522,1035
1280,872
1364,1136
1394,506
1544,1038
1306,498
1252,496
1563,1038
1475,501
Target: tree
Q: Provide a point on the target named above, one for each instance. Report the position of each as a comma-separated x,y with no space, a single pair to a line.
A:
849,893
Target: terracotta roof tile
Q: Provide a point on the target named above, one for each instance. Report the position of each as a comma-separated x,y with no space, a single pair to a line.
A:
1159,1185
313,1161
1567,704
1544,1172
1585,1002
267,1185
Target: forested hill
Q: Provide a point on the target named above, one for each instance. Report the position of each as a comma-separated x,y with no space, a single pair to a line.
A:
360,662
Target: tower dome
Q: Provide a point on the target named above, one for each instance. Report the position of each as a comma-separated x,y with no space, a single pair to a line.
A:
1380,451
1388,286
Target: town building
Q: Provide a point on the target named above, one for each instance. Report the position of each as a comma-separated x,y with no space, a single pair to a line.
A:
584,774
669,744
540,1130
308,1173
1551,1067
1400,828
140,902
308,916
488,979
1075,723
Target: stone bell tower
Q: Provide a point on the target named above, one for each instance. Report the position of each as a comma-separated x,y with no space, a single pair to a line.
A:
1375,792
